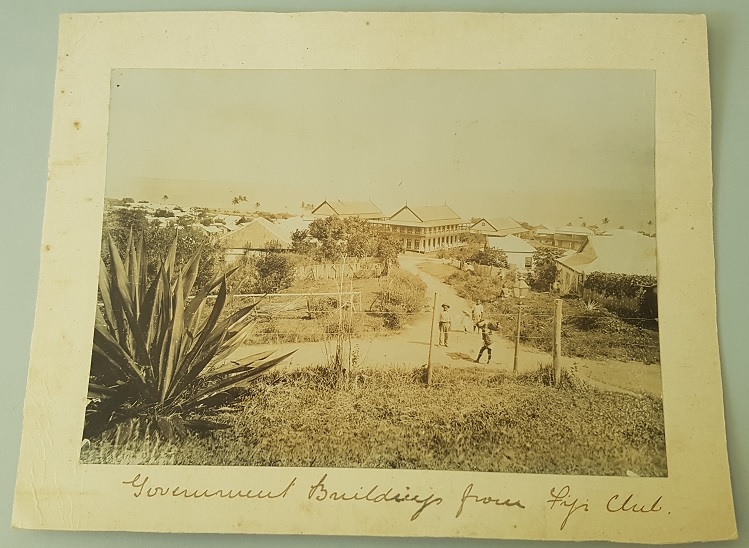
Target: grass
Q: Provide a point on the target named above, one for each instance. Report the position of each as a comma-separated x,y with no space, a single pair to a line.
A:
587,331
467,420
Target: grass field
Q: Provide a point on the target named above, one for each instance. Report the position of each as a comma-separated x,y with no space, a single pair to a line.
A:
387,418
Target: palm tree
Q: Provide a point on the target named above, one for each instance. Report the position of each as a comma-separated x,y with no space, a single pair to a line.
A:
650,229
164,198
605,221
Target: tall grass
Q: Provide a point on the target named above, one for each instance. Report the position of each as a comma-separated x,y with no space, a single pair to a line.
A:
467,420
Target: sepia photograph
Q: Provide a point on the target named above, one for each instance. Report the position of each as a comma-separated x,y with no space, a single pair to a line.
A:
386,269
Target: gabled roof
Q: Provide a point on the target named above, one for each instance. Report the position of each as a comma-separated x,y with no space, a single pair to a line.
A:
616,254
573,230
509,244
257,235
426,214
348,209
501,226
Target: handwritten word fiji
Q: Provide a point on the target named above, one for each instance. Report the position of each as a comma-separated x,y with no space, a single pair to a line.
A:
626,504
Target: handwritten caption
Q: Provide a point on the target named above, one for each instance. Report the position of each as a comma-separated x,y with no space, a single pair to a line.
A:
561,500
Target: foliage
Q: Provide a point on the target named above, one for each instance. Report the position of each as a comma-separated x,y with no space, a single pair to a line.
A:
491,257
404,294
618,285
157,358
301,242
544,268
273,272
119,223
350,237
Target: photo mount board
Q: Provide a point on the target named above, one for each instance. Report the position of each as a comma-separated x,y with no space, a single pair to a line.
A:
55,491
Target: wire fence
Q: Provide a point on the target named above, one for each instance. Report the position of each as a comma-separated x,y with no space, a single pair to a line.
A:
316,317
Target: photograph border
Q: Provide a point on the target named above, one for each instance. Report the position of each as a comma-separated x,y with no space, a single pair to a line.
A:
92,45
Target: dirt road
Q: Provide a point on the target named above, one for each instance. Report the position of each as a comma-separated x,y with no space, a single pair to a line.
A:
410,347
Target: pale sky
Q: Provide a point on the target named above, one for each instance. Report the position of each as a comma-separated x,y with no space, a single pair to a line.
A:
552,145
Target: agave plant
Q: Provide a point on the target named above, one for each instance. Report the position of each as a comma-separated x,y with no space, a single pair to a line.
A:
159,351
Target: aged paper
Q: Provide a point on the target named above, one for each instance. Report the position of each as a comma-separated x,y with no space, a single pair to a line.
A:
665,55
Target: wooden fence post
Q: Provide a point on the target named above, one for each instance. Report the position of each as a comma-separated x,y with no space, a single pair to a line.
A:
431,341
517,340
557,347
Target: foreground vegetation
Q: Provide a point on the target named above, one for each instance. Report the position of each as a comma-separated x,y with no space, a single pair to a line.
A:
387,418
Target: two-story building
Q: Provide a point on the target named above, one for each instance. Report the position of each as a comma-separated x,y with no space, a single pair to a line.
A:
425,228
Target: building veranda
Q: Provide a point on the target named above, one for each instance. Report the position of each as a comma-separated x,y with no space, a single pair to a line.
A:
425,228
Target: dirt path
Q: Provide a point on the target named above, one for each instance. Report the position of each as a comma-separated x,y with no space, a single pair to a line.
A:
410,347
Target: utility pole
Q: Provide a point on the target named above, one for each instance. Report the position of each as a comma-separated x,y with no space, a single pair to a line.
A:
557,347
431,341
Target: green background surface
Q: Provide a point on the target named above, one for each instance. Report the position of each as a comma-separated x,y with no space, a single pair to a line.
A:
28,42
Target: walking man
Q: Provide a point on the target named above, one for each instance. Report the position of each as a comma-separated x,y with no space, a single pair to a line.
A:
486,336
477,314
444,324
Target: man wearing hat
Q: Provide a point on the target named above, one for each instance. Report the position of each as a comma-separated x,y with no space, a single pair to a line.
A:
444,323
486,337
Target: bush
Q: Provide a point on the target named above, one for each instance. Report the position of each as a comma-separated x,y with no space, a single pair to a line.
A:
404,294
273,273
544,268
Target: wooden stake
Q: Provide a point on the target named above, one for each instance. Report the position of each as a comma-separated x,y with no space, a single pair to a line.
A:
517,340
557,347
431,341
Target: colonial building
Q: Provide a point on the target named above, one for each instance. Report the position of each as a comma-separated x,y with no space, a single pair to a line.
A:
338,208
624,252
565,237
426,228
519,253
502,226
259,235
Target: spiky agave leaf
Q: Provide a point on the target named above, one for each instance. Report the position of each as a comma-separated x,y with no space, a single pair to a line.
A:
154,356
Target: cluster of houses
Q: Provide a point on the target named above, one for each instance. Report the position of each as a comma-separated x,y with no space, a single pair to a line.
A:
426,229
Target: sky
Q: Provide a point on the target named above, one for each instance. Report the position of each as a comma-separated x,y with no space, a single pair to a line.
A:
552,146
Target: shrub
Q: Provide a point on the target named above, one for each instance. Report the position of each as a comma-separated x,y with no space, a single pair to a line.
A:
403,295
157,359
273,272
544,268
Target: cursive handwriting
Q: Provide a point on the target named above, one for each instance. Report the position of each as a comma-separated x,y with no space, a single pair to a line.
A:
468,496
140,487
613,505
562,499
320,492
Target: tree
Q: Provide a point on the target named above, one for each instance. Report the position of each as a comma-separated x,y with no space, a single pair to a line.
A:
491,257
257,205
650,228
621,227
544,268
273,272
389,246
165,197
605,221
239,199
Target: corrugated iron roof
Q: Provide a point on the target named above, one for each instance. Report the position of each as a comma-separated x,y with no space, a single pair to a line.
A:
630,253
509,244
